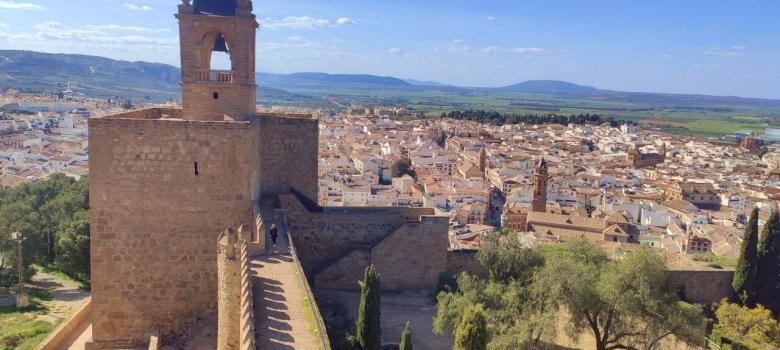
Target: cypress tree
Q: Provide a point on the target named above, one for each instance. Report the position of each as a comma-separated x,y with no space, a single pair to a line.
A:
769,264
369,331
472,330
406,339
745,275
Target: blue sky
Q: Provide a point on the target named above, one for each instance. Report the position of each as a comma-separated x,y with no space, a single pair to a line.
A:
683,46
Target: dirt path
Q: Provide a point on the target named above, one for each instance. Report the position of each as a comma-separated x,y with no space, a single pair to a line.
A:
66,296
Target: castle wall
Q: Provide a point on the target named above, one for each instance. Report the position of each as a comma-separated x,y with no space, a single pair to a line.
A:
154,221
414,255
407,245
465,261
236,317
325,236
288,157
344,273
703,286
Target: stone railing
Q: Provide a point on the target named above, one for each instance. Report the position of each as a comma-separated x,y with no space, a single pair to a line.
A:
311,302
236,318
217,76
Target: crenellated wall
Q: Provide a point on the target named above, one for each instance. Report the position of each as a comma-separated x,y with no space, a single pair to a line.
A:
235,310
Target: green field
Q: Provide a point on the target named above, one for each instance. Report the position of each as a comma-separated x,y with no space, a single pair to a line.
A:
712,120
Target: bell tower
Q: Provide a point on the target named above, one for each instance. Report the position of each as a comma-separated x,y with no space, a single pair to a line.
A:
226,26
539,203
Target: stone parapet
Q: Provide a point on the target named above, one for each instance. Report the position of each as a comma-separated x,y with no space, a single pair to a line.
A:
235,309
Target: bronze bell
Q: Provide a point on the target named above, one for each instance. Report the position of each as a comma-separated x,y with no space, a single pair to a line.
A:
219,44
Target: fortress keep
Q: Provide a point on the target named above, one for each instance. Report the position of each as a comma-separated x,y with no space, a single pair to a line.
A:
164,183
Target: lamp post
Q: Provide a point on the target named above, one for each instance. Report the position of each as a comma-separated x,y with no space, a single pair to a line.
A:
22,298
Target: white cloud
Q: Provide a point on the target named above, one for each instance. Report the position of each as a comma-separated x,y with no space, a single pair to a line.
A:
301,48
516,50
292,22
734,51
305,23
526,50
490,18
345,21
458,47
121,28
19,5
48,32
135,7
4,26
396,51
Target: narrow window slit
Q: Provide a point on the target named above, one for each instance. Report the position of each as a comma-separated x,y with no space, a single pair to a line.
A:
196,169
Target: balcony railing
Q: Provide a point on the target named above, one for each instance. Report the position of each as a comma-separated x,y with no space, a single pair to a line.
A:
217,76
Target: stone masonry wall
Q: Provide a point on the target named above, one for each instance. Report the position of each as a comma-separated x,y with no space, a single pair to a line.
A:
703,286
154,220
411,257
288,157
236,319
465,261
414,255
228,291
328,235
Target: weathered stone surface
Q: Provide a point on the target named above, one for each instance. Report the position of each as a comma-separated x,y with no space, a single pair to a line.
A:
155,221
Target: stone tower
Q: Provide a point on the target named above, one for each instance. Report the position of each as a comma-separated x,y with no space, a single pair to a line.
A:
482,160
539,203
207,26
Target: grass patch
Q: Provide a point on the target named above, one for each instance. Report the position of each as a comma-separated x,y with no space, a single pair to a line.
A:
19,329
716,261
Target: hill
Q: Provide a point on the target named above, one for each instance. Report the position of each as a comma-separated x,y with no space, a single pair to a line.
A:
552,87
103,77
318,80
94,76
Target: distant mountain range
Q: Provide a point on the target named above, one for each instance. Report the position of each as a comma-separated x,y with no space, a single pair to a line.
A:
103,77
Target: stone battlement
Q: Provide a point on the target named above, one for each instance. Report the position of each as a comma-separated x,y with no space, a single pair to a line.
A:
236,317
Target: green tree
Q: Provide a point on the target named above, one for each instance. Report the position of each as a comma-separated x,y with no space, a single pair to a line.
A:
769,264
73,247
350,343
472,330
402,167
754,327
406,339
506,258
626,303
369,329
41,211
745,274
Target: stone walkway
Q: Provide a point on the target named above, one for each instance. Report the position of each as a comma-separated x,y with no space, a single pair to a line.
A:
281,320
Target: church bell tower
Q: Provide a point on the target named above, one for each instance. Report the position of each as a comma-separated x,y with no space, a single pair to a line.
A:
539,203
205,27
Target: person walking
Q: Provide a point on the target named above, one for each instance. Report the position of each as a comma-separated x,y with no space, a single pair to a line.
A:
274,234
